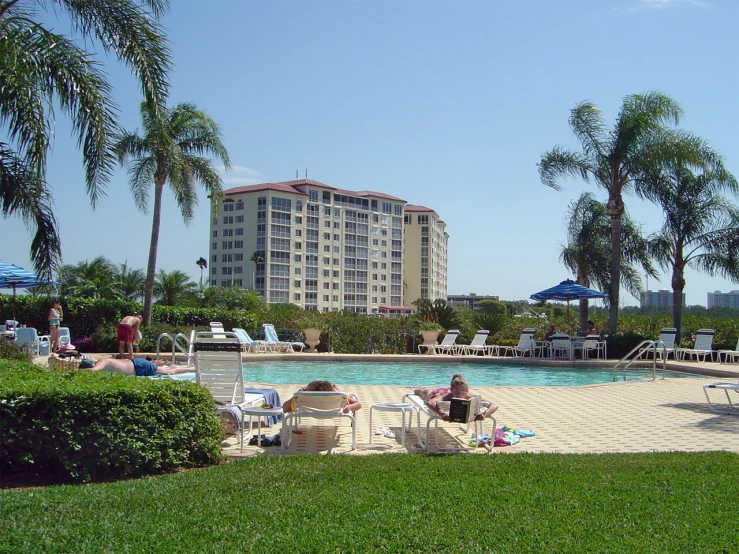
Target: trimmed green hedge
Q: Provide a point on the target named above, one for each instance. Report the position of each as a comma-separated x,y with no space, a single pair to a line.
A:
81,425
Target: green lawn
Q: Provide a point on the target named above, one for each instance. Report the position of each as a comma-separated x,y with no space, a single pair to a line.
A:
676,502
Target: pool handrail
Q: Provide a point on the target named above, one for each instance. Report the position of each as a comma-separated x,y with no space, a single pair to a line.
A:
640,349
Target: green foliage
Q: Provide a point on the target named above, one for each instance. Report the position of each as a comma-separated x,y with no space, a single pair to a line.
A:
80,426
10,351
438,311
490,306
531,502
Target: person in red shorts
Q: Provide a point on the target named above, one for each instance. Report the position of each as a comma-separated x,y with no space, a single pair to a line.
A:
127,330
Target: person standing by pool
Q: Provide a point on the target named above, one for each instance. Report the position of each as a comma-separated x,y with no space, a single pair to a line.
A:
55,317
127,329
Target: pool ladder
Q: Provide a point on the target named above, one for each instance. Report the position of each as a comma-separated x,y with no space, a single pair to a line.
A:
180,342
639,351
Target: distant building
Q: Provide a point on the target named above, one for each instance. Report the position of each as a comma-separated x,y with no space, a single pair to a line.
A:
472,301
720,299
658,298
327,249
425,254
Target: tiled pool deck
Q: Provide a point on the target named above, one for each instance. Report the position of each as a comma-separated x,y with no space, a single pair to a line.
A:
635,416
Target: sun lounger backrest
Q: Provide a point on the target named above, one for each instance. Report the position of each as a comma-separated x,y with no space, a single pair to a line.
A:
667,337
703,339
218,366
480,338
319,402
450,337
526,340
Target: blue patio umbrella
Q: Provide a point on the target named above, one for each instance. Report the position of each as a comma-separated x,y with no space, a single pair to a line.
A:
12,276
567,290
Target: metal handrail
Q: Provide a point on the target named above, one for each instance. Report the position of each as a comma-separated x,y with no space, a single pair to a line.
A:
643,347
175,345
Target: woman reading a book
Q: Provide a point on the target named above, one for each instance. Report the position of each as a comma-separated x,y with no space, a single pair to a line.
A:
458,388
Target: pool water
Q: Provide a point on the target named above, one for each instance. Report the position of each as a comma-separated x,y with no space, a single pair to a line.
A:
429,373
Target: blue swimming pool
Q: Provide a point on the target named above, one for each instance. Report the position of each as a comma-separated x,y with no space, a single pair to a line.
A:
426,373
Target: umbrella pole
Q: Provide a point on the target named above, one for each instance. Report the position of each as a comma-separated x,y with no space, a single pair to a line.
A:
13,305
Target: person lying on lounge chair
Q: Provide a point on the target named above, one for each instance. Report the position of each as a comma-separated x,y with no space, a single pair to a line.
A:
140,367
352,405
458,388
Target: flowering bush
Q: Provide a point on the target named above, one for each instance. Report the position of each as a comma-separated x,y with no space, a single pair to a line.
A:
429,323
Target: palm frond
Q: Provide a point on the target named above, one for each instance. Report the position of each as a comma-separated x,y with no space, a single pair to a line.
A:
559,162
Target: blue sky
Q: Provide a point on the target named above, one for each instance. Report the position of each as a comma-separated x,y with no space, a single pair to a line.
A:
448,104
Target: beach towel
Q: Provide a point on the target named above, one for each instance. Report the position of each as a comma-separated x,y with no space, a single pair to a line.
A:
271,396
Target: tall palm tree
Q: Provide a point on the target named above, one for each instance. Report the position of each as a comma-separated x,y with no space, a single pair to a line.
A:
171,288
202,263
40,69
172,148
588,250
617,158
701,227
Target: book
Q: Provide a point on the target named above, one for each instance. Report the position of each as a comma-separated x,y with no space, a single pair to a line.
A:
463,410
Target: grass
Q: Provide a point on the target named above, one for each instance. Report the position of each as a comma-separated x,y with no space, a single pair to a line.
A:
666,502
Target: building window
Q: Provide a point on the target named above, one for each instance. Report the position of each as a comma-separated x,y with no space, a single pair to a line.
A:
326,260
239,207
335,298
313,195
325,285
214,246
298,208
298,258
239,244
215,234
214,258
297,271
296,296
336,274
239,231
228,232
325,297
326,236
423,220
228,206
407,219
239,219
298,246
228,219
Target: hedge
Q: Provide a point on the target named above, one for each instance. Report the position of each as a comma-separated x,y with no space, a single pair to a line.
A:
81,425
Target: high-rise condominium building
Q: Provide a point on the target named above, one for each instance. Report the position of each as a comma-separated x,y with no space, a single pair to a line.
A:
723,299
659,298
425,269
314,245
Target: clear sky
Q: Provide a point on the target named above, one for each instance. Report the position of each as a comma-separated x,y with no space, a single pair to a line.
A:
448,104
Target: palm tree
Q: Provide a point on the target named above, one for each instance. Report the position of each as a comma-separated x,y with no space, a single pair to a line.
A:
40,69
171,148
171,288
95,279
616,159
588,250
202,263
701,227
131,282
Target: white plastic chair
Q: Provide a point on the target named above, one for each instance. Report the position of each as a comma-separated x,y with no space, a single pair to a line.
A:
447,345
28,339
248,343
319,405
526,344
477,344
702,347
218,368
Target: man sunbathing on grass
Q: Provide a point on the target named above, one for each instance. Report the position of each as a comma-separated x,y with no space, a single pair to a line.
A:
140,367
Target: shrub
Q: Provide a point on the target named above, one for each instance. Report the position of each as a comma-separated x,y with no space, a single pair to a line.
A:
10,351
80,426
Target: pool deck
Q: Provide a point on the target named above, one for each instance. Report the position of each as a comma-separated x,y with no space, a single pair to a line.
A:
632,416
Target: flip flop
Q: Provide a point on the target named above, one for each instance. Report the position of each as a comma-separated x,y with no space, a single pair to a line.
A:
389,433
380,431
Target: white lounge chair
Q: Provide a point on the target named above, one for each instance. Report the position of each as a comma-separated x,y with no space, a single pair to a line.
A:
447,345
270,336
732,355
665,344
477,345
218,368
28,339
726,387
419,404
319,405
702,347
526,345
247,343
217,327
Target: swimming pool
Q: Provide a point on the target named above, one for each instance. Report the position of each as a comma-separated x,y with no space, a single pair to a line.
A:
427,373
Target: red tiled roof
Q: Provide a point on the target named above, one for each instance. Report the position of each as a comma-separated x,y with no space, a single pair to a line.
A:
294,187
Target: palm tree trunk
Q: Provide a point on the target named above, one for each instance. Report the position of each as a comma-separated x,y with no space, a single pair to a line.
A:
583,315
152,267
678,285
615,274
